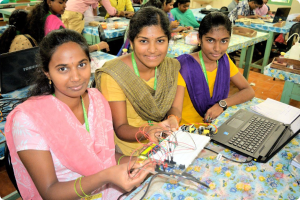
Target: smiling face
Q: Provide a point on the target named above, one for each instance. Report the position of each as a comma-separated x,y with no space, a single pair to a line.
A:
183,7
150,46
215,43
57,6
167,7
69,70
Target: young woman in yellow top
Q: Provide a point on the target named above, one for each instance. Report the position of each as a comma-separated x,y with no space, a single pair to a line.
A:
206,73
141,87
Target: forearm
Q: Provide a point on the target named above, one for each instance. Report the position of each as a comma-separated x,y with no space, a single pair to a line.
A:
175,111
129,133
124,159
240,97
95,11
93,48
65,190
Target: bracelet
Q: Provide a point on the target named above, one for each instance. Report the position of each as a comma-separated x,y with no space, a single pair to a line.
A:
120,159
177,118
81,188
98,47
75,188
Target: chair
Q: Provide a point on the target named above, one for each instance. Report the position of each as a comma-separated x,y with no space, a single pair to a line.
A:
224,8
294,29
9,168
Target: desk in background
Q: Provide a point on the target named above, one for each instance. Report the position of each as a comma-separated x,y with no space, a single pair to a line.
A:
237,42
271,30
22,93
13,4
92,34
291,88
198,15
272,180
6,13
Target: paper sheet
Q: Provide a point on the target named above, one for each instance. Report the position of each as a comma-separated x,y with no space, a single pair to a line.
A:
277,110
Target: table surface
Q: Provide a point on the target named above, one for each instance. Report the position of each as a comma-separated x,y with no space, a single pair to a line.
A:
7,5
2,29
268,27
108,33
236,42
280,74
7,11
21,93
272,180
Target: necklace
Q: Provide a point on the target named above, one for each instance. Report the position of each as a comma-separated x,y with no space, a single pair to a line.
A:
203,66
136,71
86,121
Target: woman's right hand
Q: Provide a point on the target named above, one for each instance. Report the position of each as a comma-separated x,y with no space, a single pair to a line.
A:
174,24
119,176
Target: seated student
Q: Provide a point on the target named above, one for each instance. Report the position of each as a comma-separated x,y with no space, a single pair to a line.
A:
124,7
182,13
206,73
13,38
166,6
64,132
244,9
232,5
42,20
141,87
264,9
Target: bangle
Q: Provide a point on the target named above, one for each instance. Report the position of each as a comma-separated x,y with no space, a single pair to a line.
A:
81,188
120,159
75,188
177,118
98,47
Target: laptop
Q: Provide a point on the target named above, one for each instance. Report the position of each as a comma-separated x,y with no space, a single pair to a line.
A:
16,69
254,135
280,15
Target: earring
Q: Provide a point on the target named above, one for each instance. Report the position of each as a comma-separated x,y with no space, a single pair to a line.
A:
199,44
50,82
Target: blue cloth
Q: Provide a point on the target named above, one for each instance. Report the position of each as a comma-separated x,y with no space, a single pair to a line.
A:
242,8
197,86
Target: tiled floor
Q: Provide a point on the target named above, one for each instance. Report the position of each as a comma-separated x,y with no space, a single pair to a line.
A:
265,87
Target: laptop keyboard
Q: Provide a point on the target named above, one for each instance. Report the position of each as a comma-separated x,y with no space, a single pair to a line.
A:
252,134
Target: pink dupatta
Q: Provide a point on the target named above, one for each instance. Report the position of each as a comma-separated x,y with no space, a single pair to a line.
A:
57,124
52,23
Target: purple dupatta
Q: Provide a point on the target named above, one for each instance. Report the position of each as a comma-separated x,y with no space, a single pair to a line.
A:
196,84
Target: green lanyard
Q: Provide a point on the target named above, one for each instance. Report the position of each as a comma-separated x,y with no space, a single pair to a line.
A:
136,71
86,121
203,66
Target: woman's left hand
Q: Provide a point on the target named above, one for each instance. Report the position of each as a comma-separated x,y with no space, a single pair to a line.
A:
170,123
212,113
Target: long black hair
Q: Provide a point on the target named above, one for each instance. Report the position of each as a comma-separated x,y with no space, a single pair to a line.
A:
211,20
47,48
16,25
36,21
156,3
181,2
148,16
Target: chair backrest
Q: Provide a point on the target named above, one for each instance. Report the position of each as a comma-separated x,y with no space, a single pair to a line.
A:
294,29
102,11
9,168
224,8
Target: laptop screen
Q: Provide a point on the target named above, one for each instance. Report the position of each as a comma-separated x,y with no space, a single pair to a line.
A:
16,69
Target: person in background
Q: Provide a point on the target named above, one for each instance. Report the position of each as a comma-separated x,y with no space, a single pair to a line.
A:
43,19
244,9
141,86
183,14
205,75
73,16
61,138
166,5
124,8
14,37
263,10
232,5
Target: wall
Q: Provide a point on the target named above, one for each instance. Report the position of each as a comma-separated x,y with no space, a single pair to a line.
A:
295,7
